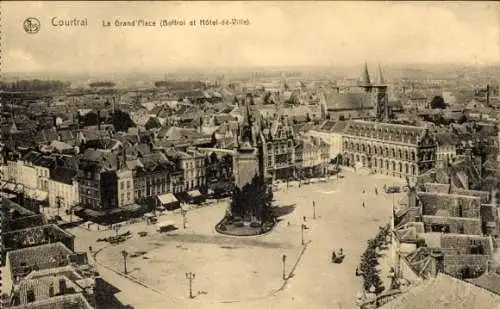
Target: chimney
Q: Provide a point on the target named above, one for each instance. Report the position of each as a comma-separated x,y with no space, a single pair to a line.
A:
487,95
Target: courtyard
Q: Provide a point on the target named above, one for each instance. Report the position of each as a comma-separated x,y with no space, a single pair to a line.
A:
241,272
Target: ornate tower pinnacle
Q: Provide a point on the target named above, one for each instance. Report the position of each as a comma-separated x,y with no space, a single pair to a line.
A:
365,77
380,78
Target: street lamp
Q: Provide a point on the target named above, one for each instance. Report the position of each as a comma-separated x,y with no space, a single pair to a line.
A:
125,254
184,220
302,228
283,258
190,277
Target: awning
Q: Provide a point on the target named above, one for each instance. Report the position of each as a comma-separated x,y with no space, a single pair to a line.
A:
93,213
10,186
78,209
38,195
134,208
194,193
167,198
165,223
7,195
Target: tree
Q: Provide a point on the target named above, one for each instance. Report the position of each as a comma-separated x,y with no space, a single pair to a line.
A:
462,119
121,121
253,200
152,123
104,84
90,119
438,102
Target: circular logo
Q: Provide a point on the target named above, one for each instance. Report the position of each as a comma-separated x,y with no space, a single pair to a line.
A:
31,25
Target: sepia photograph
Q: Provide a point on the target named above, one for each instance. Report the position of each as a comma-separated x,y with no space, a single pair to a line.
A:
249,154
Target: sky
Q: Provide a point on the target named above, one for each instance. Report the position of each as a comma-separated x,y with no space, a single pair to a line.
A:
280,34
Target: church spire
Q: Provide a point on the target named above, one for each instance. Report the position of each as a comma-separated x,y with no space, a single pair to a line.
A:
380,78
365,77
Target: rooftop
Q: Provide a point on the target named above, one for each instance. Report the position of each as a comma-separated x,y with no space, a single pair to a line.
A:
39,257
444,292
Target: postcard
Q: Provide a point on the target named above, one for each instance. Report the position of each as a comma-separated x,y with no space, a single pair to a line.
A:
260,154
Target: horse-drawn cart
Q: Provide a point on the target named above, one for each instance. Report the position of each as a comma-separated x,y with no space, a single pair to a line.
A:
338,257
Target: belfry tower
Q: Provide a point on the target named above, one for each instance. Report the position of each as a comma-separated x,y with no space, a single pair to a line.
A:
381,97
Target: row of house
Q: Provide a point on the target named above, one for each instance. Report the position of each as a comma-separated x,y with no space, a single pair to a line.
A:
442,228
42,269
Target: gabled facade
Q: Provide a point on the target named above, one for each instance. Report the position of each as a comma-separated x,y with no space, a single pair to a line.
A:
278,147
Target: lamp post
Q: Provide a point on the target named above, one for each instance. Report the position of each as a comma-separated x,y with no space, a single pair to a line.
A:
124,254
184,220
314,210
283,259
302,228
190,277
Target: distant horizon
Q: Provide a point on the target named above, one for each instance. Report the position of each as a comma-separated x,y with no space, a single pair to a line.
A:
372,67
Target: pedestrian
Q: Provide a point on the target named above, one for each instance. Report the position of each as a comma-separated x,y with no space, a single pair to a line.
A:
363,191
304,219
376,191
363,204
90,248
288,223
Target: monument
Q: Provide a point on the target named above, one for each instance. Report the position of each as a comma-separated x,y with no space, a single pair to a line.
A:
249,210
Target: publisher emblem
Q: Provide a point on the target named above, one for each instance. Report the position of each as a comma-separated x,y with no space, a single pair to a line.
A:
31,25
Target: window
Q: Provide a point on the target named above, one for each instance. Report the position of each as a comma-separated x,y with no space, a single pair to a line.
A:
30,296
122,185
128,184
